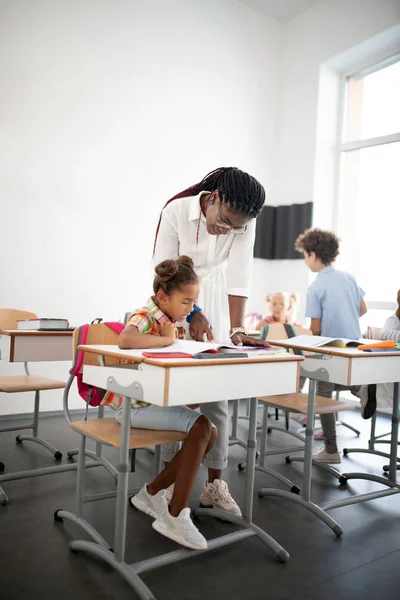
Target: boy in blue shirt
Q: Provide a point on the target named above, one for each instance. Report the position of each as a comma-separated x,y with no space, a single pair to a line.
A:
334,305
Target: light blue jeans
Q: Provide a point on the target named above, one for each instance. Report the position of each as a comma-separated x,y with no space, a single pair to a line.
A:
172,418
178,418
217,458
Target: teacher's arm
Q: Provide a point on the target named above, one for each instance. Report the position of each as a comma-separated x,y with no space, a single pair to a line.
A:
238,278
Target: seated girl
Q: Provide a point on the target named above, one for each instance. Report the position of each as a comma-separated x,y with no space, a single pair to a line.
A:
282,308
176,288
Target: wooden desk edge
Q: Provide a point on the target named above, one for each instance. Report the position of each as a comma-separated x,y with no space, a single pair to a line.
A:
192,363
30,332
339,352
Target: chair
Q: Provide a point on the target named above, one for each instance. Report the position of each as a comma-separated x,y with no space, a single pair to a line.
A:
104,431
25,383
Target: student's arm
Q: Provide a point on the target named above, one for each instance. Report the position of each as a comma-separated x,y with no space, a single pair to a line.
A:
391,329
315,326
363,307
131,338
313,310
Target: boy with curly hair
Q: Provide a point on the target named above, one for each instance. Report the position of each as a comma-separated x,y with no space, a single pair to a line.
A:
334,304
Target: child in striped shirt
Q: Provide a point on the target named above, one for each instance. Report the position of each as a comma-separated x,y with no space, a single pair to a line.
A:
176,288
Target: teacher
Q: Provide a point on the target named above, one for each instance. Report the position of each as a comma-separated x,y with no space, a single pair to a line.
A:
213,222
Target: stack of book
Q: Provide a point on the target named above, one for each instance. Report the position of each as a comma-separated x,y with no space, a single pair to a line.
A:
44,324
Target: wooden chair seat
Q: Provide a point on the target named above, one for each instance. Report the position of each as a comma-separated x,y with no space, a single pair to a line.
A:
28,383
108,431
298,403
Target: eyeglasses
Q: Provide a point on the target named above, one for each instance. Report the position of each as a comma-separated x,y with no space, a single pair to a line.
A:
224,225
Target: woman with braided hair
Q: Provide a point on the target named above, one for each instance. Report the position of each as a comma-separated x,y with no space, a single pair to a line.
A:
213,222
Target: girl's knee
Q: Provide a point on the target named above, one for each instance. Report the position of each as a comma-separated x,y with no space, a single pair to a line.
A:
202,427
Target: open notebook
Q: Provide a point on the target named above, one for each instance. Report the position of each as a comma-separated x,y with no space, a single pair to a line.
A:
316,341
189,349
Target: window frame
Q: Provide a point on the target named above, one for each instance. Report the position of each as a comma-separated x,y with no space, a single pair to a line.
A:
358,72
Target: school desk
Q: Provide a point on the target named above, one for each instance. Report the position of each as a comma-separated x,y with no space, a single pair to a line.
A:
173,382
346,366
18,345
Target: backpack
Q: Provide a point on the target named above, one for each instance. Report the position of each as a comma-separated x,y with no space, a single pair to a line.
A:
91,394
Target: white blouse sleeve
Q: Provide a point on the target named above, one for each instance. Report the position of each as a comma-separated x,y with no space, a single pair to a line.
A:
167,244
240,261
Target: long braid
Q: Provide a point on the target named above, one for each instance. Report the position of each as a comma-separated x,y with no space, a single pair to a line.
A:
240,190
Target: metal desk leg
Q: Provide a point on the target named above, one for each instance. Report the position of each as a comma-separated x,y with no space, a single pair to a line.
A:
263,454
391,481
305,500
233,438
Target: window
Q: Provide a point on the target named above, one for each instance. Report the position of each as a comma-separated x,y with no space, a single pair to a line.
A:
369,190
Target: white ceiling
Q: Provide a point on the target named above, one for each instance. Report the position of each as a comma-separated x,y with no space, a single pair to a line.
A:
281,10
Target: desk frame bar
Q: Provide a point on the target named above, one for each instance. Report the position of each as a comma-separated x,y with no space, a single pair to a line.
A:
98,546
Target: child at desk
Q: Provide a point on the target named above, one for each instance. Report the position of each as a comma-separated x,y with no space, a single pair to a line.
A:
176,288
381,395
334,305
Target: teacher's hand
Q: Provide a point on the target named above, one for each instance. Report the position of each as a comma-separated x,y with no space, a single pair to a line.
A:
240,339
198,326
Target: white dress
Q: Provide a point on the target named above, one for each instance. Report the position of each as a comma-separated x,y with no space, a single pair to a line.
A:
222,262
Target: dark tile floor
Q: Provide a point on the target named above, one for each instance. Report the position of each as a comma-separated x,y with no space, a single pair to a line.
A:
35,561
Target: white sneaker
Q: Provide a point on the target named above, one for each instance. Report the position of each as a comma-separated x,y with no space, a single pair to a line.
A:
325,457
217,495
181,529
168,493
151,505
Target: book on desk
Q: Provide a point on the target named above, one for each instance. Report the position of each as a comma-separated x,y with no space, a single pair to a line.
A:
206,350
44,324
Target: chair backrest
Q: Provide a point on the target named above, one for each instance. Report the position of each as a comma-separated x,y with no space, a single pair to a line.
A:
281,331
275,331
10,316
98,333
373,333
126,317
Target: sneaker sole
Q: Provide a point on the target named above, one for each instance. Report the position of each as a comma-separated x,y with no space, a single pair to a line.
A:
202,505
160,527
143,507
327,462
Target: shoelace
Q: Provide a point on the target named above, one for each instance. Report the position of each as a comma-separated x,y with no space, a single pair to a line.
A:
222,492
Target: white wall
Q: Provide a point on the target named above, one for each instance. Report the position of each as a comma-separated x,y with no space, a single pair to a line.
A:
311,40
108,108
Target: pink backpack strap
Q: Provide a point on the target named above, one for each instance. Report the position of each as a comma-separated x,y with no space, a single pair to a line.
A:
115,326
82,337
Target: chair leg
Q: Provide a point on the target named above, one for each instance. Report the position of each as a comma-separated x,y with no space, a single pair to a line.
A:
133,460
3,497
34,438
356,431
157,460
80,479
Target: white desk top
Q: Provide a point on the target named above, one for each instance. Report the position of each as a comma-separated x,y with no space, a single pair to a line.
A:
136,356
334,350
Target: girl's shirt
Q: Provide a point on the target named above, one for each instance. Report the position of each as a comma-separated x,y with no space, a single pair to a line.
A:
148,320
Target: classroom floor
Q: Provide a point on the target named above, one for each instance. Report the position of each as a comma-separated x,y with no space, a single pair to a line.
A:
35,562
